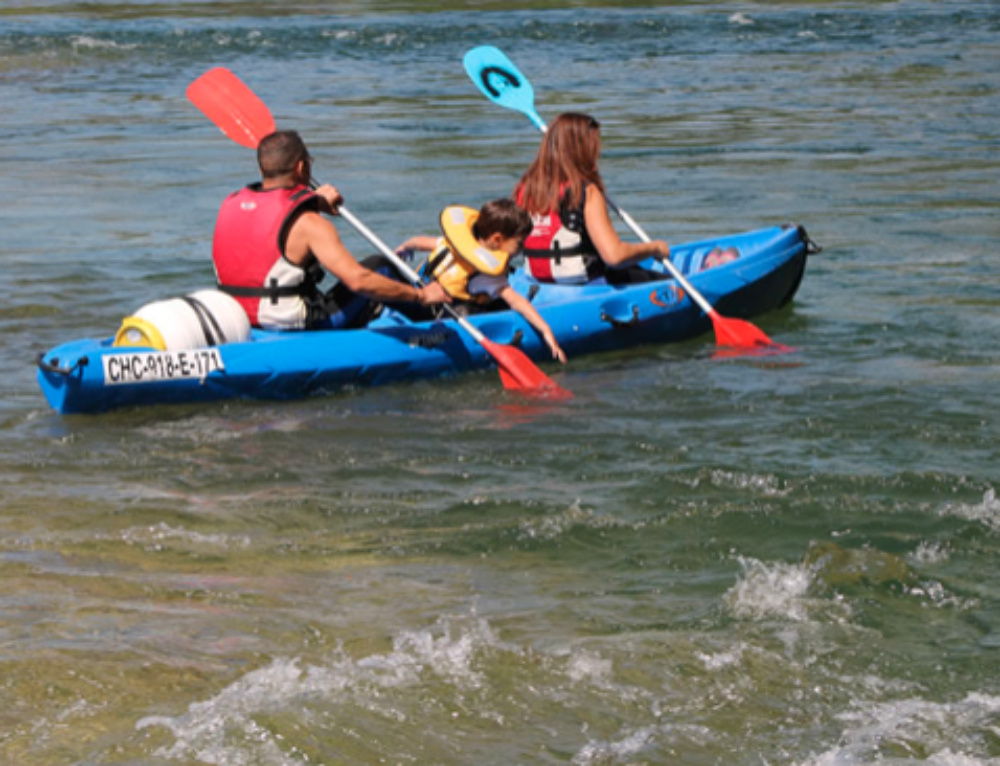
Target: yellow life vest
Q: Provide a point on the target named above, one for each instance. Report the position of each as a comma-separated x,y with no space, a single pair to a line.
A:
459,256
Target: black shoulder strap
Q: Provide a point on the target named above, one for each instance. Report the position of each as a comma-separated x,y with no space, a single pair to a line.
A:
209,326
304,199
436,259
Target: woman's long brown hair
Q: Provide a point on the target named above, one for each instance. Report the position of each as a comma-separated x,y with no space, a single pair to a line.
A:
566,160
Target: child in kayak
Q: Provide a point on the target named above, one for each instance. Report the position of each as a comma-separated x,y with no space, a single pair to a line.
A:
471,261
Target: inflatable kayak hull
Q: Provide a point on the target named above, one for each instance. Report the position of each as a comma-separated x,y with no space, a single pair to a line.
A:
92,375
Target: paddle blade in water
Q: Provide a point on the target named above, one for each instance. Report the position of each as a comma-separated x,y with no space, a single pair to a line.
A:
501,82
232,106
737,334
519,373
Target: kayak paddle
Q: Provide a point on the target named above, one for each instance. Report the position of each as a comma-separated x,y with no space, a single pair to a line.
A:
243,117
232,106
502,82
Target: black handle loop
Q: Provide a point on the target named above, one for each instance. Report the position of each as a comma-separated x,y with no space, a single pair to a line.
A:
53,366
614,322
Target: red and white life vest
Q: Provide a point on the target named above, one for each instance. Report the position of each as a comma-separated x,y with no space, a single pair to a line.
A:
559,248
249,254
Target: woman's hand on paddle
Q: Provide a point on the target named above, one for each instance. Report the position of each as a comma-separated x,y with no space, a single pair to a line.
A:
331,197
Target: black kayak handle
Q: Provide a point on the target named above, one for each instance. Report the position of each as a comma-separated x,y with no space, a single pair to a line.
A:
615,322
54,367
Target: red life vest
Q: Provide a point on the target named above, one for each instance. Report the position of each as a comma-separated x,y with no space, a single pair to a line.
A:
249,254
559,248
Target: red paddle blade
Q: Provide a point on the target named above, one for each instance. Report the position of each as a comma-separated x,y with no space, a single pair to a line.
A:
736,333
232,106
519,373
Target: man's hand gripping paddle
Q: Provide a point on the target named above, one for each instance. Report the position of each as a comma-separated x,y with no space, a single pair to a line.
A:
243,117
502,83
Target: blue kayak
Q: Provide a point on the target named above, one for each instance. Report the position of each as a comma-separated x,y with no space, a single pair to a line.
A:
93,375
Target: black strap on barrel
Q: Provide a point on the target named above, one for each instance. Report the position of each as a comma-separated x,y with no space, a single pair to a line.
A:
209,325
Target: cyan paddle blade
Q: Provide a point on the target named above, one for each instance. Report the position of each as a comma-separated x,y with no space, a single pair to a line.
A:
501,82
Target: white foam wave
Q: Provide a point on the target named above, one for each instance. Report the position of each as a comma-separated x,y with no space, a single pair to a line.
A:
629,745
766,485
632,742
553,527
223,729
741,19
201,733
446,656
987,512
585,666
939,596
446,668
949,734
721,660
929,553
769,591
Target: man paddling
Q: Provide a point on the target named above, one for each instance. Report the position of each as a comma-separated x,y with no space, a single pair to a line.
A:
271,244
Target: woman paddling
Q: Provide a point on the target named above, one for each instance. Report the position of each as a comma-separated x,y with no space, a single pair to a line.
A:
573,240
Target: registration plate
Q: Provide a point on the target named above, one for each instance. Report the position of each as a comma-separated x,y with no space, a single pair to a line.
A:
154,366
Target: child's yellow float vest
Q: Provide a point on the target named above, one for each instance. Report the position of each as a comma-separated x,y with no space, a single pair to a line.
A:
459,256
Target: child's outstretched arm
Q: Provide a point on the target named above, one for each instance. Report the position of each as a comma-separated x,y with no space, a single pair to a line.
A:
421,243
522,306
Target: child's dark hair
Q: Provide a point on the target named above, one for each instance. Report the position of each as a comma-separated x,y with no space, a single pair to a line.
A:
504,217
